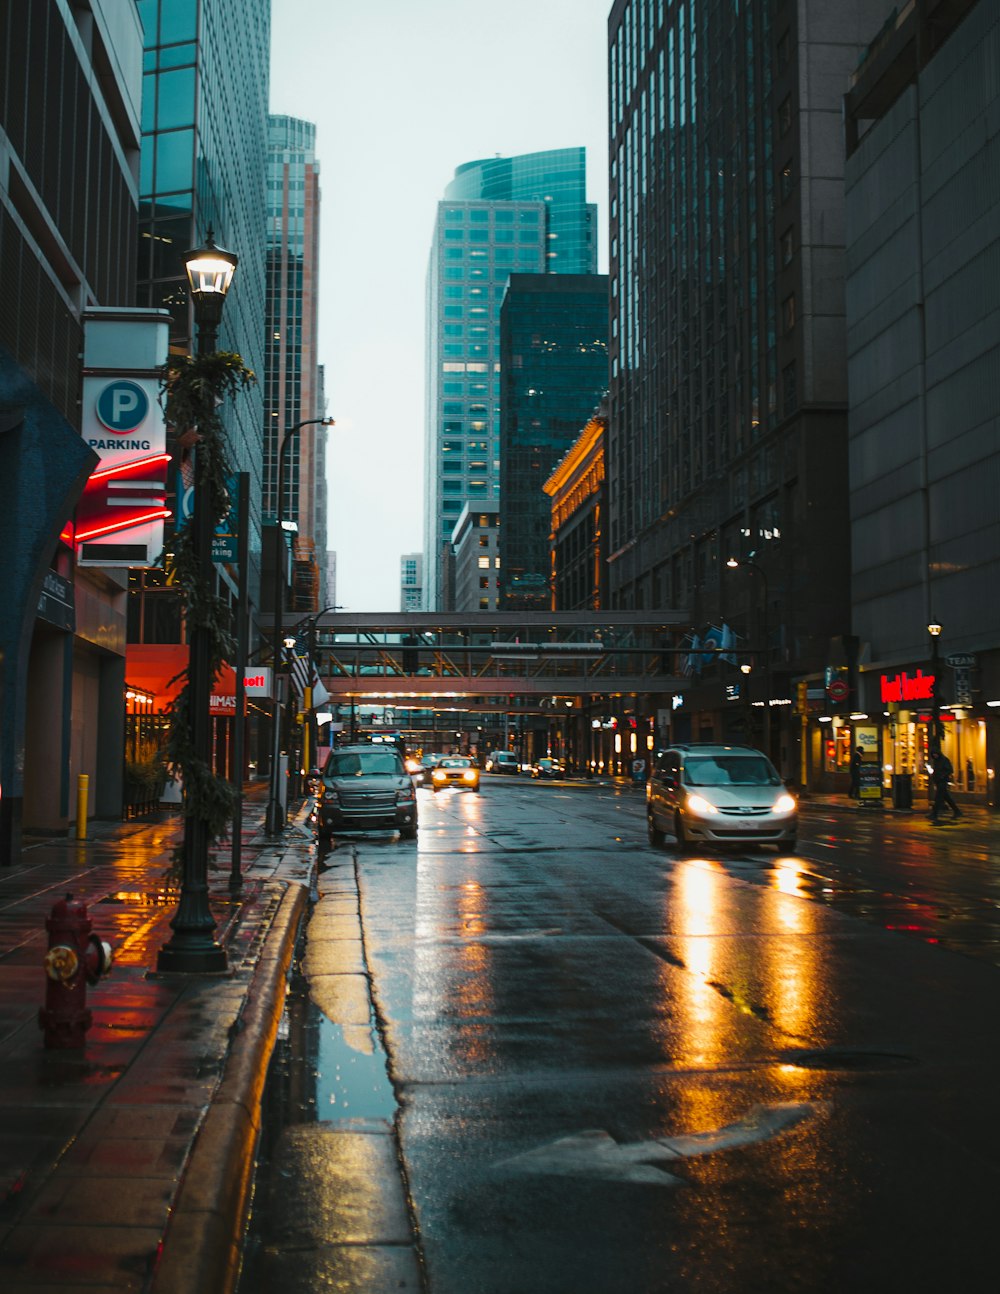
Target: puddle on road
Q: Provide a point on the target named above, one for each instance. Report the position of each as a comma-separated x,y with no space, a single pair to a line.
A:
351,1077
325,1071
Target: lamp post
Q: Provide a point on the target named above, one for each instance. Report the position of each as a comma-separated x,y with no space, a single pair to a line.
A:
307,700
274,818
934,630
746,669
733,563
193,946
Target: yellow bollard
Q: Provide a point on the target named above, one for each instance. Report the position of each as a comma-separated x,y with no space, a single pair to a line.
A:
82,785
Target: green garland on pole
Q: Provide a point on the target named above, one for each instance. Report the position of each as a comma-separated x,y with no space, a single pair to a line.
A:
194,389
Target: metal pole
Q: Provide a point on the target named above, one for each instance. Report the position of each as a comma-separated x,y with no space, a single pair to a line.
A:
274,820
193,946
275,816
307,698
936,698
767,667
242,647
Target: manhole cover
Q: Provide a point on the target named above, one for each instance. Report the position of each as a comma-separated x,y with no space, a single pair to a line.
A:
846,1058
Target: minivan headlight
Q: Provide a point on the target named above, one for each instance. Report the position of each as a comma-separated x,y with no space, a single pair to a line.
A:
698,804
784,804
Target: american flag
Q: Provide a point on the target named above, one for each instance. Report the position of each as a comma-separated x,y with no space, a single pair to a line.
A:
304,672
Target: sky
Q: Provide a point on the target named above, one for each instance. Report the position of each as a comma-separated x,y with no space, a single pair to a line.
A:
402,92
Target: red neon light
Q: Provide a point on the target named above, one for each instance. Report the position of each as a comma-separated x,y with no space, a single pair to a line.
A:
908,687
132,466
125,524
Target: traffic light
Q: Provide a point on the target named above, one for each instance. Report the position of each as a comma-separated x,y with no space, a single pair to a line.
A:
411,658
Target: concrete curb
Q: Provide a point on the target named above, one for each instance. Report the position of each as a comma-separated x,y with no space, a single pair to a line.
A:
202,1244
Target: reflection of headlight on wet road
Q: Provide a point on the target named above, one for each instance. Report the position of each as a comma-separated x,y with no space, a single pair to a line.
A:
698,804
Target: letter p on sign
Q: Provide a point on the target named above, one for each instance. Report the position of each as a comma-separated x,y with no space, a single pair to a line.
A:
122,406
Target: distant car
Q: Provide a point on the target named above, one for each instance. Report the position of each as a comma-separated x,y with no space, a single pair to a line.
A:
546,768
455,770
502,761
720,795
366,788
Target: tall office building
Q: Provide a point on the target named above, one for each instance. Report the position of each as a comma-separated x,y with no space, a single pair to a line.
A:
292,393
727,430
70,87
499,215
411,581
474,569
553,375
203,165
923,322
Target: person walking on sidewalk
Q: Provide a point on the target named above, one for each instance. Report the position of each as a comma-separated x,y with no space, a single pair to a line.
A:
942,772
854,790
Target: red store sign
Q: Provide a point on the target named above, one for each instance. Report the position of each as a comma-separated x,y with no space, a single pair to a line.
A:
908,687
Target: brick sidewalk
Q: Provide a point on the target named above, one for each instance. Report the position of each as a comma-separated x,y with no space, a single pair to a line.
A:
126,1166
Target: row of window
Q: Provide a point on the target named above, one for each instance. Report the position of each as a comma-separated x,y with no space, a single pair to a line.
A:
495,236
501,255
480,215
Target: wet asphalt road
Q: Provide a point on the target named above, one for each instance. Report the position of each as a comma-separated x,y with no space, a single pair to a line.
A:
571,1016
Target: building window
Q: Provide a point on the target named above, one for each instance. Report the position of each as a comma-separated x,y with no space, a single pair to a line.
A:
785,115
788,246
787,181
788,312
484,563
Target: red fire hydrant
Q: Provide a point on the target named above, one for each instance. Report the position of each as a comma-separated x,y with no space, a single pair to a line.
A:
75,959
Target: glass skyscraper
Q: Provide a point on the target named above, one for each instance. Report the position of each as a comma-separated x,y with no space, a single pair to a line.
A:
291,377
527,214
554,372
204,163
727,431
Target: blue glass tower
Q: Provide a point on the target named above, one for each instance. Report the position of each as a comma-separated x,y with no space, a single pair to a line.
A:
524,214
204,163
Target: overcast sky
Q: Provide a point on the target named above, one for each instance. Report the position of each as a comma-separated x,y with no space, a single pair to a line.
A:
402,92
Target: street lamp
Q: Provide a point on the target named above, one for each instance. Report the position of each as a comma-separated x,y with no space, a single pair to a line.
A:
733,563
274,818
307,700
934,629
193,946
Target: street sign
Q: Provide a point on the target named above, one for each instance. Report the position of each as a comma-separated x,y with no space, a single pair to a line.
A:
963,686
960,660
838,689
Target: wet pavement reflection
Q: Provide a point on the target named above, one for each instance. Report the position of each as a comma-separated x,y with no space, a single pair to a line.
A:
611,1068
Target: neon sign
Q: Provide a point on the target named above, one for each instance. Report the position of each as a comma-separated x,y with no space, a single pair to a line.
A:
908,687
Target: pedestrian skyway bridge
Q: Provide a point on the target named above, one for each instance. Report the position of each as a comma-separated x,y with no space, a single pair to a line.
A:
409,658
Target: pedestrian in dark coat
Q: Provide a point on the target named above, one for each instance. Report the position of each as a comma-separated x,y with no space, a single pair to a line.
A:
942,772
854,790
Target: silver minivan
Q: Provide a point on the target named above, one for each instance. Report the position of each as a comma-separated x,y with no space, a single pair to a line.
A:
720,795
